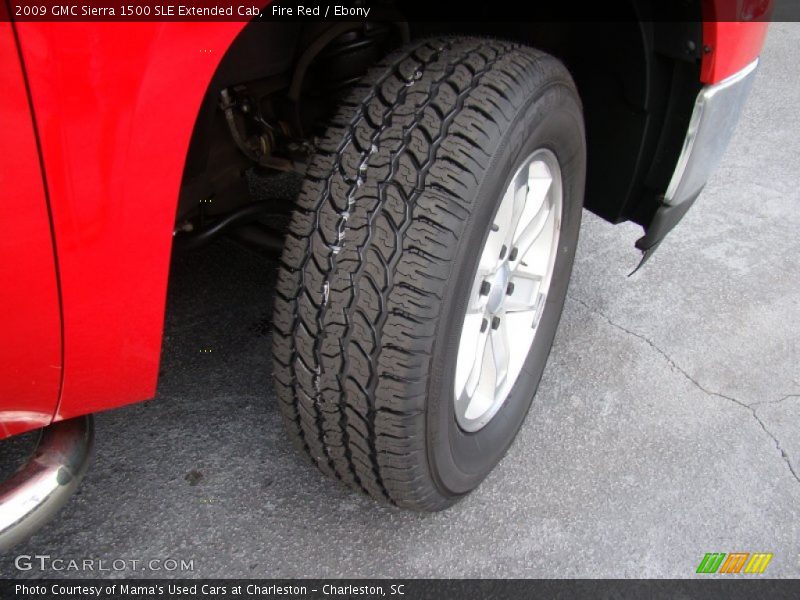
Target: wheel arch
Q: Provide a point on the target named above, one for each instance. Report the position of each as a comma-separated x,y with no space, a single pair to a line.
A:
638,81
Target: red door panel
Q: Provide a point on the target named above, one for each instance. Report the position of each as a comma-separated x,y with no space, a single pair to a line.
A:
30,324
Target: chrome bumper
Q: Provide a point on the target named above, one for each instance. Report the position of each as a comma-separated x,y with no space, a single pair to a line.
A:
33,495
713,121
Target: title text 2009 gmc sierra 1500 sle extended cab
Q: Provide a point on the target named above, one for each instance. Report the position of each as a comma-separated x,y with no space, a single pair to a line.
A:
425,262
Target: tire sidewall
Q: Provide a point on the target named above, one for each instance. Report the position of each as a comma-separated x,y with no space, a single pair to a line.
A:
460,460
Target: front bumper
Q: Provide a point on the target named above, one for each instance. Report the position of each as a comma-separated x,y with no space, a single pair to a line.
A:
716,112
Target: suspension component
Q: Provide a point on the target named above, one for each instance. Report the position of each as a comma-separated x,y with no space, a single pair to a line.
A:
238,111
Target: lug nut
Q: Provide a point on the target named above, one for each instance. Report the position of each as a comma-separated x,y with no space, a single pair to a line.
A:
484,325
503,252
495,322
513,256
485,288
510,288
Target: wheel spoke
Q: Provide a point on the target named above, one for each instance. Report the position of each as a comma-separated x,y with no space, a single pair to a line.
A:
500,354
480,351
537,209
474,329
519,202
477,301
499,233
524,296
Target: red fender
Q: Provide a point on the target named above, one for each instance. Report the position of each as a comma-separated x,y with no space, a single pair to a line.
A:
733,35
115,104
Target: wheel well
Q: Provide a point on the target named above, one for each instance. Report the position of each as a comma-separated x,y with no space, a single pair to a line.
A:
637,80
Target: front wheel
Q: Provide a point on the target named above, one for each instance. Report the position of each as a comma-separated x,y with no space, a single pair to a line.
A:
427,265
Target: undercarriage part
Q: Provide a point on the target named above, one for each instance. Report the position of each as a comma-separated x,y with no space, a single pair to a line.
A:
257,147
189,240
272,130
305,60
258,236
336,58
310,53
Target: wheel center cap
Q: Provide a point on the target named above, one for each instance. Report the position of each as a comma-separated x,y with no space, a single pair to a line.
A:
497,293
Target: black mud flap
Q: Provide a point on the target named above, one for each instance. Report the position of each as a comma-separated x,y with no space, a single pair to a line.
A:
663,221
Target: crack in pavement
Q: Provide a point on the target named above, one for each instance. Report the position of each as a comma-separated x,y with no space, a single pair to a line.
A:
778,401
698,385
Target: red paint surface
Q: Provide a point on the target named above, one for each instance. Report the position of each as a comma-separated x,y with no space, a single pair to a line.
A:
732,41
30,325
115,104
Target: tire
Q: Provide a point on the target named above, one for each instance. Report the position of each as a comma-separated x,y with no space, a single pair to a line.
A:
382,254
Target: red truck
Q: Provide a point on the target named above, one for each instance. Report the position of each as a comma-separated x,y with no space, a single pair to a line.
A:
426,258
